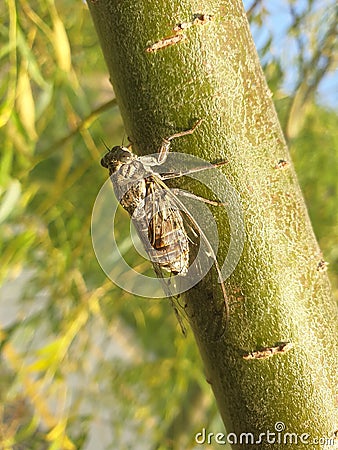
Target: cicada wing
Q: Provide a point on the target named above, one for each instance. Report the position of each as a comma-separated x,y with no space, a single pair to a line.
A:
166,285
153,225
190,223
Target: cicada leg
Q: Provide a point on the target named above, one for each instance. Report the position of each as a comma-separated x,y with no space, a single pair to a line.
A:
164,150
197,197
169,175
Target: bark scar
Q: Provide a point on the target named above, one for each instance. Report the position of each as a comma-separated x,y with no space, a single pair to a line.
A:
197,19
282,164
322,266
165,42
178,36
268,352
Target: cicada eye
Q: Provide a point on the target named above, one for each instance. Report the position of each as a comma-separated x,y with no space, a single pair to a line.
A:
104,162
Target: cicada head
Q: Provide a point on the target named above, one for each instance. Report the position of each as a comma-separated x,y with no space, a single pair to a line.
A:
117,157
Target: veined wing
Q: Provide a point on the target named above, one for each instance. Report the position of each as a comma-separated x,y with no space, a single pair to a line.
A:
190,222
159,225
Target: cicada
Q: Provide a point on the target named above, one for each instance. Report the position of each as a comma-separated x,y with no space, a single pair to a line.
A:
165,226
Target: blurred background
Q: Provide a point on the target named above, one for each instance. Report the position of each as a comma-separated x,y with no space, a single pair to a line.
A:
85,365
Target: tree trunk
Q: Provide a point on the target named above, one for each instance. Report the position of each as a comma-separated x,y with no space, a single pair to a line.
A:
279,291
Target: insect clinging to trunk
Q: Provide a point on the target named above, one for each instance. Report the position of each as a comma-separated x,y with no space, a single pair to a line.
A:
165,226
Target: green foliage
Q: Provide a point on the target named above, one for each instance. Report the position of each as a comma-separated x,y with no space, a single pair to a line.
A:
315,156
76,350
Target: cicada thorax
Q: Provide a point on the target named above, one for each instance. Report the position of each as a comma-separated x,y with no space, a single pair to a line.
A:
133,199
129,184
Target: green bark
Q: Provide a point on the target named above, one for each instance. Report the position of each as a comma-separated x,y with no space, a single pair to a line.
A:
276,293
